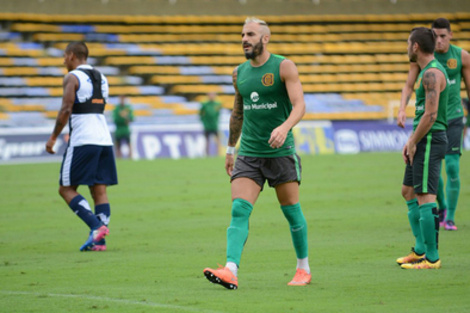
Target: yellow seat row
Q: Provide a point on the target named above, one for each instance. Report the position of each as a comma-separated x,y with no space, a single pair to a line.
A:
303,69
352,78
308,87
196,89
337,59
351,87
57,81
343,28
345,116
224,19
352,68
175,79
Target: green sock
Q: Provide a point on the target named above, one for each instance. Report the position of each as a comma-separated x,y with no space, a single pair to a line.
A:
237,233
441,197
298,228
429,222
413,217
453,184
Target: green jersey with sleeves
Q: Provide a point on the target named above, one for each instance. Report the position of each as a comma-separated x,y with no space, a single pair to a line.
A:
452,62
441,120
266,105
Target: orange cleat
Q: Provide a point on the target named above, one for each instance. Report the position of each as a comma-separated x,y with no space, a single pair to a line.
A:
410,258
301,278
422,264
222,276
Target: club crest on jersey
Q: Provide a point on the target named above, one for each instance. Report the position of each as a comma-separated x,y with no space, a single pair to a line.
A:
452,63
268,79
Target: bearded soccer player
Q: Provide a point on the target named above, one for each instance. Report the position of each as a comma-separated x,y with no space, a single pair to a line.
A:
456,61
268,103
424,151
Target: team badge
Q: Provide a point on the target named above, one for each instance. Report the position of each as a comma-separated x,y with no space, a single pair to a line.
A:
452,63
268,79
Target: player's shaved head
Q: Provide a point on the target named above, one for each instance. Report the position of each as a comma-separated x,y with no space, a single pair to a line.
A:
78,48
264,28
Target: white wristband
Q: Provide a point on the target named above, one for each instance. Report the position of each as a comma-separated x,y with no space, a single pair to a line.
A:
230,150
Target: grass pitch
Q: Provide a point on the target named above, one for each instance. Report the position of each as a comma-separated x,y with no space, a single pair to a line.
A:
169,220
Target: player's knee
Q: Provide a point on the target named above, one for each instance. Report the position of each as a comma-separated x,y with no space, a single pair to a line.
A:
452,165
64,191
241,209
98,193
452,170
407,192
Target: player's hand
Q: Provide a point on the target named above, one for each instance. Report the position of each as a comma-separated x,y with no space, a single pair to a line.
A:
50,145
229,161
278,137
408,153
404,154
401,118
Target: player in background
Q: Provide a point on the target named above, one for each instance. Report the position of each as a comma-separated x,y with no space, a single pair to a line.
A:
123,115
89,157
424,151
209,115
268,103
457,64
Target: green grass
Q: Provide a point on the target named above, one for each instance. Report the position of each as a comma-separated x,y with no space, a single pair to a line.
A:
169,221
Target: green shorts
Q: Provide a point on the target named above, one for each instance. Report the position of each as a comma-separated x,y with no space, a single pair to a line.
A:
276,171
423,176
455,136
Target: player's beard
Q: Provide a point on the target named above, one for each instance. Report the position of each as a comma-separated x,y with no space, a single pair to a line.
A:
256,51
413,57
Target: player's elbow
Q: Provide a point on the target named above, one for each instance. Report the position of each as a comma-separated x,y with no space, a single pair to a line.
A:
300,109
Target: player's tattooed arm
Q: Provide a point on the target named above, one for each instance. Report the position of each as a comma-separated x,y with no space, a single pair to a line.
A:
431,86
433,82
236,118
408,97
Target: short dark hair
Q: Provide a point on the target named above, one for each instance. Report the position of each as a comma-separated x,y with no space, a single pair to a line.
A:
78,48
425,38
441,23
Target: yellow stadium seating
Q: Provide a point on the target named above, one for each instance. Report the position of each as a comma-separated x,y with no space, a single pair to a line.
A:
359,56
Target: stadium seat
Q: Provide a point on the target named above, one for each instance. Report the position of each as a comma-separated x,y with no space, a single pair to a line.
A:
170,63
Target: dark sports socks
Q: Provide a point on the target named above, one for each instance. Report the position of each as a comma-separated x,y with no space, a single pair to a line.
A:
103,213
80,206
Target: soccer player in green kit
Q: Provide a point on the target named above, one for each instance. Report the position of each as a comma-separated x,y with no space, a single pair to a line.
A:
456,61
424,151
268,103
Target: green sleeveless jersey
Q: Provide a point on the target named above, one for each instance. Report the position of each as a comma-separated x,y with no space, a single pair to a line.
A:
266,105
441,120
452,62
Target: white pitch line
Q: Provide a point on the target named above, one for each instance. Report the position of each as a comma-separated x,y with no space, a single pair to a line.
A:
105,299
